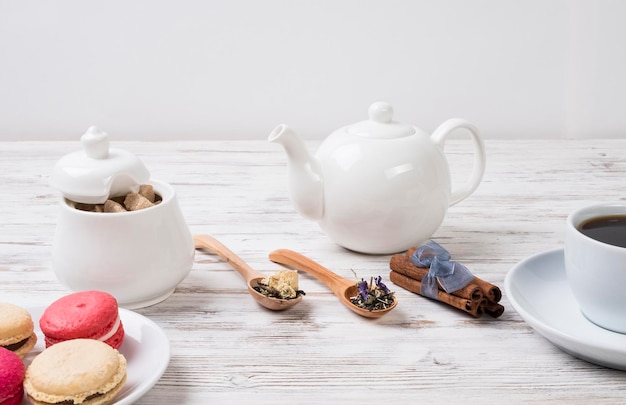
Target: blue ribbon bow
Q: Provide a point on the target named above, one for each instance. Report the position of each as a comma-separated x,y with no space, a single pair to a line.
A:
451,275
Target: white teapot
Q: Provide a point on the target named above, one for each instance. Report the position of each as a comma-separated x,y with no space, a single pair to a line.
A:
378,186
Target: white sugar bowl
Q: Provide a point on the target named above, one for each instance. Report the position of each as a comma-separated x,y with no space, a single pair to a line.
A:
137,256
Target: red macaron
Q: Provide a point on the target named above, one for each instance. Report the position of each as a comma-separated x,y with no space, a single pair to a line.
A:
83,315
11,378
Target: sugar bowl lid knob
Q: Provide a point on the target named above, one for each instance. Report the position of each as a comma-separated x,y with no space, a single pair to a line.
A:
95,143
96,172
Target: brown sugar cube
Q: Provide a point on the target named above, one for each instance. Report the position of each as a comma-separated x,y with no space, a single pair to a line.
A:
112,206
135,201
147,191
89,207
85,207
118,199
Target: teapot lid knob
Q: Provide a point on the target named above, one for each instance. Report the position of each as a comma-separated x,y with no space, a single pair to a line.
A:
380,112
380,124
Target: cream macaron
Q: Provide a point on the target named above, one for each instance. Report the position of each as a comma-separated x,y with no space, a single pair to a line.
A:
79,371
16,329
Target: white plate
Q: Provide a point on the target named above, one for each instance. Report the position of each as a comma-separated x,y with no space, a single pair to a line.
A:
537,288
145,346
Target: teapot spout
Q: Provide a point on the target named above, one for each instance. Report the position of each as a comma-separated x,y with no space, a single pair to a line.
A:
305,177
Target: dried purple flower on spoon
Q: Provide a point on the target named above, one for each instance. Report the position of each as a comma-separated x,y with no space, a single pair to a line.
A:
374,295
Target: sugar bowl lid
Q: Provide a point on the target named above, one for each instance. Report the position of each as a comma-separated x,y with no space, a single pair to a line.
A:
96,172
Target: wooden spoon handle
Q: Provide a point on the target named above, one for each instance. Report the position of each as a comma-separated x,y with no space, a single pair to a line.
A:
296,260
209,242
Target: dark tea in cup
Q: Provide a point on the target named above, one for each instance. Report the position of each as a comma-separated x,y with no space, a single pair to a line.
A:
609,229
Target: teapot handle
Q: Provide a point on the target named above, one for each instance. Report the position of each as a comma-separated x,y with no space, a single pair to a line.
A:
439,137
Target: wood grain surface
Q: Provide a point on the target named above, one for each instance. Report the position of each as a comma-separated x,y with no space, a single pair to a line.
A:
228,349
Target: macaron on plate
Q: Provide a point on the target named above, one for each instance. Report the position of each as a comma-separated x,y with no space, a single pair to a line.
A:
11,377
145,347
83,315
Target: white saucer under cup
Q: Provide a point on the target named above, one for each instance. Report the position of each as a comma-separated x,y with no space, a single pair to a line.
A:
538,290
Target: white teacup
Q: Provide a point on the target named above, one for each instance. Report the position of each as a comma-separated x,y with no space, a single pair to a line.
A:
596,270
139,257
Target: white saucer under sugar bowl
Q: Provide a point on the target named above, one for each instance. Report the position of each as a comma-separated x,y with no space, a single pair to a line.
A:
137,256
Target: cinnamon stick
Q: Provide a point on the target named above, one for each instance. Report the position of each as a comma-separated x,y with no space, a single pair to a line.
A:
494,309
403,265
491,291
474,308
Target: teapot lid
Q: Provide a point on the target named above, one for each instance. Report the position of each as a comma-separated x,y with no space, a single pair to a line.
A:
96,172
381,124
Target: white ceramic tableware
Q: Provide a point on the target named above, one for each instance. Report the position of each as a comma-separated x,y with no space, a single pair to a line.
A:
537,288
145,346
378,186
596,271
137,256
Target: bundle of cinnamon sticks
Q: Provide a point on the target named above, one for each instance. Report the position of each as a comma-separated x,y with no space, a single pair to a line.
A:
477,298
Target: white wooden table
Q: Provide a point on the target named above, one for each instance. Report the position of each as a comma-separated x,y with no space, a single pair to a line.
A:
228,349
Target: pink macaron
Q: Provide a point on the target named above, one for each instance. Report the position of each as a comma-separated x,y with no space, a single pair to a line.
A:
83,315
11,378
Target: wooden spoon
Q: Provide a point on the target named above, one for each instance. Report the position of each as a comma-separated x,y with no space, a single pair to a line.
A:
343,288
251,276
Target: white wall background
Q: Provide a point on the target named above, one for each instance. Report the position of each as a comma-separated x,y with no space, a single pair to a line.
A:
233,69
